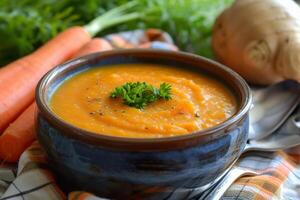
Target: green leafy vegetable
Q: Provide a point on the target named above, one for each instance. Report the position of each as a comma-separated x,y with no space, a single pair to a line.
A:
140,94
25,24
189,22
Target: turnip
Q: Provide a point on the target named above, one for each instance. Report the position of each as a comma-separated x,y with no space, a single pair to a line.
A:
260,39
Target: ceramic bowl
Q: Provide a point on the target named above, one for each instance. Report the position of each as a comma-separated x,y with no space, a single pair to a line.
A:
128,168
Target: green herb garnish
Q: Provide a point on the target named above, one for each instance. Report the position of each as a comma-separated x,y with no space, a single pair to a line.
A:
140,94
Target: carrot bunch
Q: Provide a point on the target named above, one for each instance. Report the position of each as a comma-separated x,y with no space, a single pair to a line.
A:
19,79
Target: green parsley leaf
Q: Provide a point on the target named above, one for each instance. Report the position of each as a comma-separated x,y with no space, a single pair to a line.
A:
165,91
140,94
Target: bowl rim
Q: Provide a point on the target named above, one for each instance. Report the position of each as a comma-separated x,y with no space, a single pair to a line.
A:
137,143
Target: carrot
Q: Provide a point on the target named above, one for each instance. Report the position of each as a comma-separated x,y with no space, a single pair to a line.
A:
95,45
18,79
21,133
18,136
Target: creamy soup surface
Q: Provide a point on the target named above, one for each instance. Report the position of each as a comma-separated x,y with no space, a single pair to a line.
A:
198,102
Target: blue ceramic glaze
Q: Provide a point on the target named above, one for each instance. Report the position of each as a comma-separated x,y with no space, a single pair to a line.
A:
104,171
130,169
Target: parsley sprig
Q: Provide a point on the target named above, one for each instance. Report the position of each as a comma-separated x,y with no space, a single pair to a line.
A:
140,94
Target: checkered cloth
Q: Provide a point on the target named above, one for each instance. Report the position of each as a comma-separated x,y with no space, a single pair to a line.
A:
277,174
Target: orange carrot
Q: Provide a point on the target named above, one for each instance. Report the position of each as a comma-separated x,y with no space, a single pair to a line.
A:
95,45
18,136
21,133
18,79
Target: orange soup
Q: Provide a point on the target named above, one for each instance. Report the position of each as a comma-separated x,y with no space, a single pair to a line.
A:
198,102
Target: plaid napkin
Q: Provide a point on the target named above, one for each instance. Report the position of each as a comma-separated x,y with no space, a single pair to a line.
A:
277,174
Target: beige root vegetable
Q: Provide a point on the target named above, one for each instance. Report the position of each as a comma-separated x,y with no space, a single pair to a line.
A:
260,39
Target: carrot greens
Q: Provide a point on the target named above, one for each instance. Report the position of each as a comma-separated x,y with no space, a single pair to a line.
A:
25,24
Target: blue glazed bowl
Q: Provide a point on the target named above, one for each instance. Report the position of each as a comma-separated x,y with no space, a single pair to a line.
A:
128,168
